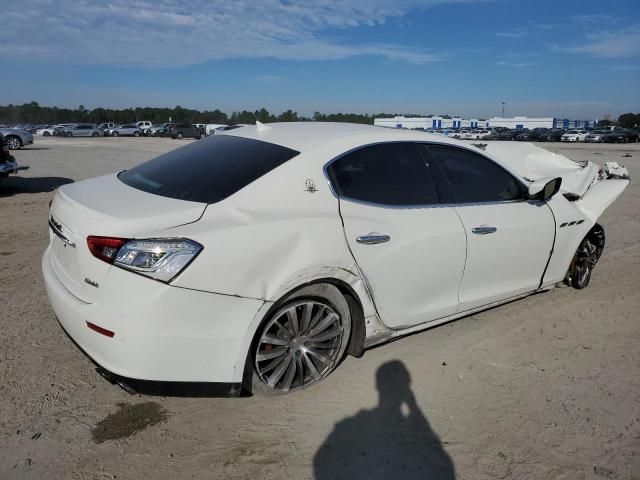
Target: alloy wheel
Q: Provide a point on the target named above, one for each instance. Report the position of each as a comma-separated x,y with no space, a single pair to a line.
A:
299,345
13,143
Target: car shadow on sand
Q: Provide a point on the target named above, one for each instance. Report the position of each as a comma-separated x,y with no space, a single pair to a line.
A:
14,185
392,441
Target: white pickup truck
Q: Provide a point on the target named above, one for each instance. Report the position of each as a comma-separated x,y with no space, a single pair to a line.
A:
143,125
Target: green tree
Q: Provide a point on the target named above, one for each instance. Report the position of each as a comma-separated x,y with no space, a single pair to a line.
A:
629,120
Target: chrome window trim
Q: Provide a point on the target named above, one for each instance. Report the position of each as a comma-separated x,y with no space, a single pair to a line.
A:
327,177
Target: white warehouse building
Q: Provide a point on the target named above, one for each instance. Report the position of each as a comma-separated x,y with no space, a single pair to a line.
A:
413,123
544,122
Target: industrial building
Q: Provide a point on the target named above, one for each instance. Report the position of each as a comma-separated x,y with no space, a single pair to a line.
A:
413,123
545,122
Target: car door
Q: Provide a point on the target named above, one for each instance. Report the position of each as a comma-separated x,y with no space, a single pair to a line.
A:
509,238
410,249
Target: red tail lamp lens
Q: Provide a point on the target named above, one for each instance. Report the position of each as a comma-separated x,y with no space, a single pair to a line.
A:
105,248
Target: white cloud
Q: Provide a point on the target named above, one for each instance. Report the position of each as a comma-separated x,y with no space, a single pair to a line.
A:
515,64
519,34
611,44
178,33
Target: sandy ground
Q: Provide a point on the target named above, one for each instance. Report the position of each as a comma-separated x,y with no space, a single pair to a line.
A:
544,388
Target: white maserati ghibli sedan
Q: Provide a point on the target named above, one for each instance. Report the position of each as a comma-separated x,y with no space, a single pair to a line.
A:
262,256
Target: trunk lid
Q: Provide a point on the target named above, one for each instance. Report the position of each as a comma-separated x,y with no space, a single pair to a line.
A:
104,206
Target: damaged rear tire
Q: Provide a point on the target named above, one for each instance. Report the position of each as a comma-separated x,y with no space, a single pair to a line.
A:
302,342
585,258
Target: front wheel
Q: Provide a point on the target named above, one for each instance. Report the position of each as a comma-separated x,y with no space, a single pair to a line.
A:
94,134
585,258
46,134
302,341
136,134
179,136
13,142
114,134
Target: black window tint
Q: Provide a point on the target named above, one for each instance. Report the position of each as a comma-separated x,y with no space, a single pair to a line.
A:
207,171
388,174
474,178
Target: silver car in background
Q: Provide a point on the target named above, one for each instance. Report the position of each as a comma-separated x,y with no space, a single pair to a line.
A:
83,130
16,138
127,129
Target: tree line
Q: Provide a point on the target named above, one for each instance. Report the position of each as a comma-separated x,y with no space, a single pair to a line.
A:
35,114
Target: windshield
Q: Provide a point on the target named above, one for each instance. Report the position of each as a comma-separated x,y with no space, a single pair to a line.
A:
207,171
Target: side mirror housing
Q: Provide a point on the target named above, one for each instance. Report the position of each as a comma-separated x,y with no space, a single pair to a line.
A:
544,188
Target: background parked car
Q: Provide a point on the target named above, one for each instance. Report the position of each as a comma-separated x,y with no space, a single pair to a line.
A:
83,130
8,163
126,130
144,125
574,136
157,130
184,130
16,138
599,136
623,135
59,129
45,130
551,135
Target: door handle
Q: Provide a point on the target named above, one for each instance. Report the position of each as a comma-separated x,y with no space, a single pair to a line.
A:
483,230
373,238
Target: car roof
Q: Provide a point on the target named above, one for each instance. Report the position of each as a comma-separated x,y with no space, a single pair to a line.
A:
303,136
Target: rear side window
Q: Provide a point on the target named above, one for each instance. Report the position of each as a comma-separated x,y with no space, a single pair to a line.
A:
207,171
385,174
474,178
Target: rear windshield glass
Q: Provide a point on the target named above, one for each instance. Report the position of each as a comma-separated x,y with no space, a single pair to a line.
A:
207,171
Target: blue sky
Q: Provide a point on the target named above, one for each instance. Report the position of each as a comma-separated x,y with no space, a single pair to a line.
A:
569,58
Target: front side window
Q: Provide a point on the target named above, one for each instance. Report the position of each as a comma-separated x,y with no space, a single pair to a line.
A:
386,174
208,171
474,178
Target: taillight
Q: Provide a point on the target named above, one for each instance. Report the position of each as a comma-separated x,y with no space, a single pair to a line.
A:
105,248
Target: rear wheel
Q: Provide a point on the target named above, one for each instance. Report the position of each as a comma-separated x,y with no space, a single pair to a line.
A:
302,341
179,135
114,134
46,134
136,134
585,258
94,134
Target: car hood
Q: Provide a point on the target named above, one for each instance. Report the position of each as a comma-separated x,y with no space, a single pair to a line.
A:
532,163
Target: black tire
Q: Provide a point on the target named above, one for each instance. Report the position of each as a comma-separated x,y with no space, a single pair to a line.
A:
136,134
115,134
94,134
179,136
317,294
585,258
46,134
13,142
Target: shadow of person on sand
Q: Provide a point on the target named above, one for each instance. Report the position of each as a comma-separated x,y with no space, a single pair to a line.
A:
392,441
14,185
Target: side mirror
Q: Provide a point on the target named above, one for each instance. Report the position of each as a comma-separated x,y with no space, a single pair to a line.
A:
544,188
